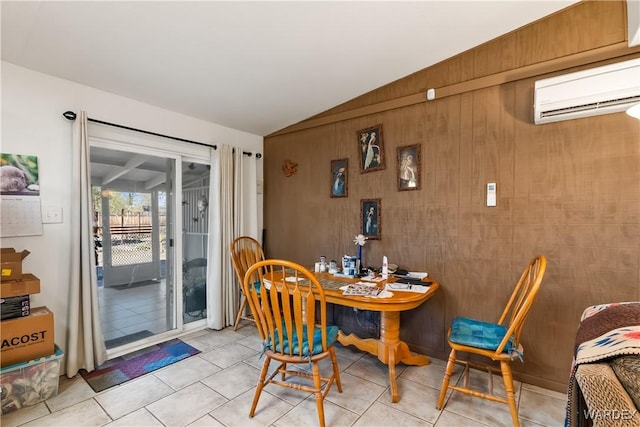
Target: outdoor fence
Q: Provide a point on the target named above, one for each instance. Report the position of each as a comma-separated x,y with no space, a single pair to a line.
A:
131,235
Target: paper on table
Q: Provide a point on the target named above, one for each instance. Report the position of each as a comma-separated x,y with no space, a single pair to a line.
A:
365,283
383,293
417,275
403,287
372,279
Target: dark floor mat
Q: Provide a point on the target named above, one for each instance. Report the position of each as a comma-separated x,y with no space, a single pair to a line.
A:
117,342
125,368
135,284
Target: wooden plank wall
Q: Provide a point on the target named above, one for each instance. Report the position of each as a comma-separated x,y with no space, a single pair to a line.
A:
569,190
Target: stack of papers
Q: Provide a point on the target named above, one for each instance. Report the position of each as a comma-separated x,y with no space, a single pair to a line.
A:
362,290
366,290
416,275
406,287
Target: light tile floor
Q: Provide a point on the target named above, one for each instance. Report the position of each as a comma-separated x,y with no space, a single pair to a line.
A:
215,388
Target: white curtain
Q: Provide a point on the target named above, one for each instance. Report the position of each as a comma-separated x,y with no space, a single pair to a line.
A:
85,343
247,194
233,211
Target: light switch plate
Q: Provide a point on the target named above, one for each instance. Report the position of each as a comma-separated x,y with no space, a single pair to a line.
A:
491,194
51,215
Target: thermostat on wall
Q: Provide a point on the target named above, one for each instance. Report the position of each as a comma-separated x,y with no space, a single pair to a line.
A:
491,194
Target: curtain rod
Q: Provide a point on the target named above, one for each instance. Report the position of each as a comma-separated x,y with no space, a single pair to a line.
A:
70,115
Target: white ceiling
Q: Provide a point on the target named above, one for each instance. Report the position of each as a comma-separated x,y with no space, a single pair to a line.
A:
254,66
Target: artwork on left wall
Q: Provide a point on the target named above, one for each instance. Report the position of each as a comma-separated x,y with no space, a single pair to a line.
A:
339,178
19,175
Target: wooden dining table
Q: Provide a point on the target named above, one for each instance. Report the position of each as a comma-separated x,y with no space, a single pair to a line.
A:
388,348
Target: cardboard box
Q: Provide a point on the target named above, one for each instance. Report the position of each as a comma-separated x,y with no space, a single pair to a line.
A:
31,382
11,263
27,338
28,284
13,307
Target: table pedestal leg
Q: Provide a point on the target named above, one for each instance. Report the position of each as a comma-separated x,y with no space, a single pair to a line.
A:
389,349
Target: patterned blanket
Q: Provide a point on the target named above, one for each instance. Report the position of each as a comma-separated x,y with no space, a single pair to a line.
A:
605,331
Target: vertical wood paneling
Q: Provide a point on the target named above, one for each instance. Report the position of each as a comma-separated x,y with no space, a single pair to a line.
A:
570,190
582,27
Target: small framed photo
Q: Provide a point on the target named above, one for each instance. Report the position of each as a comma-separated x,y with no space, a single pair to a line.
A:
371,148
19,175
409,167
339,178
370,218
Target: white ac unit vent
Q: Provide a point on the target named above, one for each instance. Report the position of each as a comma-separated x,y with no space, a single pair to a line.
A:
603,90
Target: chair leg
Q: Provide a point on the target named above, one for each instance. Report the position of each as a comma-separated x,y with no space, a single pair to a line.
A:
511,395
336,369
260,386
317,384
451,365
243,304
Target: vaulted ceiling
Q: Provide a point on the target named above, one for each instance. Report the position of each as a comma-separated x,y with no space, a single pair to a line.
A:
255,66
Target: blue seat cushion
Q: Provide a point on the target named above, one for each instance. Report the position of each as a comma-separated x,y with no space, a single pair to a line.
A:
332,336
257,286
475,333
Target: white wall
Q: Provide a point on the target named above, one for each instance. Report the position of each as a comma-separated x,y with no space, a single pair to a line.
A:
32,123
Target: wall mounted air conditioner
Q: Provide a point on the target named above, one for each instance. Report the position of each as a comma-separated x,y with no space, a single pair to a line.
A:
602,90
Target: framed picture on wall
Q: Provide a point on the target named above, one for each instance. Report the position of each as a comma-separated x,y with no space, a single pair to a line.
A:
371,148
409,166
19,175
370,218
339,177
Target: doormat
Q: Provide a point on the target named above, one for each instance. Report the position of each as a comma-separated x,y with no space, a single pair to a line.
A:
136,336
135,284
122,369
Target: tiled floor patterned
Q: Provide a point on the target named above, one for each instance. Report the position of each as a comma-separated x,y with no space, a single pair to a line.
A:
215,388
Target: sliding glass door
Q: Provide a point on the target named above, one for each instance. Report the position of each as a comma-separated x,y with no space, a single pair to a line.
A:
151,238
195,239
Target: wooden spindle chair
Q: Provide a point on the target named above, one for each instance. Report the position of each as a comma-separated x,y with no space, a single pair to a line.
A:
500,342
290,311
245,251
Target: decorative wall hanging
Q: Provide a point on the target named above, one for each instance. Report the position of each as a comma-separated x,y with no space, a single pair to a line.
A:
289,168
371,149
339,177
409,168
370,218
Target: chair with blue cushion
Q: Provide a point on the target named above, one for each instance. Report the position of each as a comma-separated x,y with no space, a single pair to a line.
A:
289,306
245,251
499,341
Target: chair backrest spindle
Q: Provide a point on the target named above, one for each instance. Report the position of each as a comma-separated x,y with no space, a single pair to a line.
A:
287,303
519,305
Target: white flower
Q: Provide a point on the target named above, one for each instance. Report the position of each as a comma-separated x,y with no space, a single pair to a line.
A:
360,240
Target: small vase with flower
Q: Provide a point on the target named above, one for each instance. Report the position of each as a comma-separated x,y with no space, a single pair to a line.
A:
360,240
